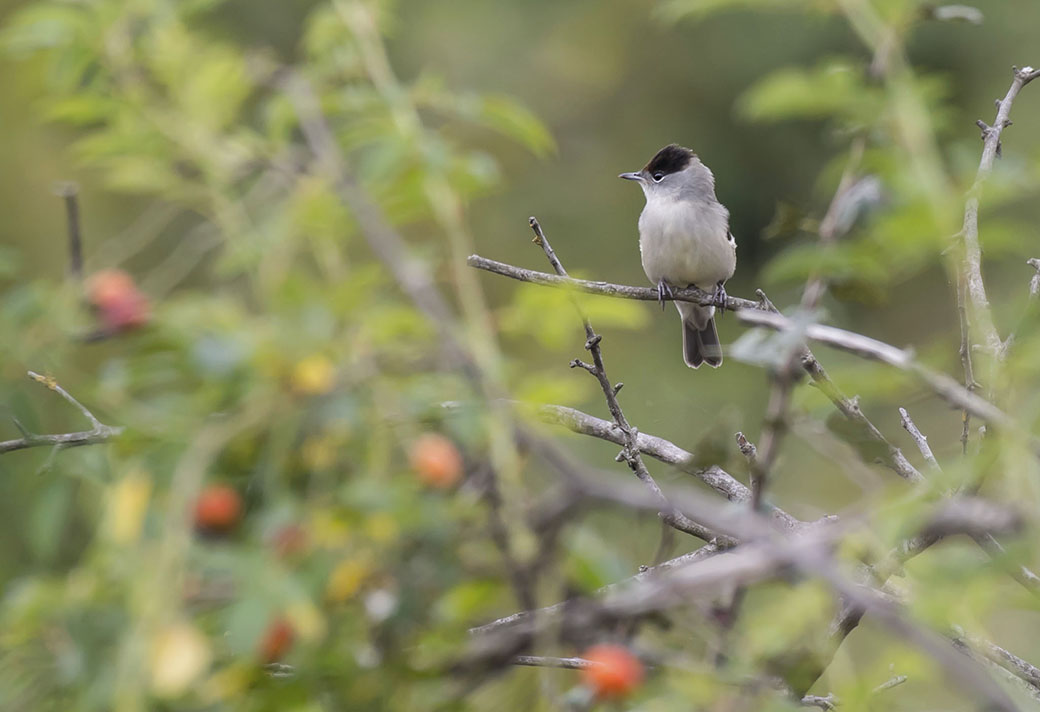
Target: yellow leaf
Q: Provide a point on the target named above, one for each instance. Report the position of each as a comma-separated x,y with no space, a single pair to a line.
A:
127,505
347,578
329,531
319,453
381,527
306,620
314,375
227,683
180,653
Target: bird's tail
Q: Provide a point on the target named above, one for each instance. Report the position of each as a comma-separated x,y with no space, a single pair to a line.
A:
700,339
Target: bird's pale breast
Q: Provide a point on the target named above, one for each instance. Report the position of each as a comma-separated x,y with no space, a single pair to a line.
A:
686,244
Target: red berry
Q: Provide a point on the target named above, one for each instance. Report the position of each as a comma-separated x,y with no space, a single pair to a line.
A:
277,640
129,312
614,671
120,304
218,509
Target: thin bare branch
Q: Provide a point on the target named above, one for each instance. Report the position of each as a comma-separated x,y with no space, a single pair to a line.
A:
894,459
1022,574
824,702
1001,657
830,701
98,433
866,347
630,453
645,294
838,218
965,353
411,275
974,286
765,556
973,516
773,431
889,684
660,449
645,574
69,192
545,661
919,438
1034,282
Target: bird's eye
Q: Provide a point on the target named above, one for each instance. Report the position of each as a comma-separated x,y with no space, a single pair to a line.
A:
658,177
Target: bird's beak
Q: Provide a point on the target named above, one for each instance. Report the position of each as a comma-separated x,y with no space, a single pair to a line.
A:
632,176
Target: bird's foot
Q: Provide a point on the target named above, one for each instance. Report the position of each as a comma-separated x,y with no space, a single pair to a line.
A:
718,295
664,291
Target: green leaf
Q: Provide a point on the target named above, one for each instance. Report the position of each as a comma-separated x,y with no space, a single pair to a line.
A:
468,600
49,512
833,89
497,112
698,9
515,121
550,318
10,262
83,109
43,26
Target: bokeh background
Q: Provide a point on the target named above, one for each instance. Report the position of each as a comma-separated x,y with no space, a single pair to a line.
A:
612,81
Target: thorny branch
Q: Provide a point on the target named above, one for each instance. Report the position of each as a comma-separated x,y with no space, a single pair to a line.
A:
807,561
985,539
772,433
765,555
964,351
974,285
829,702
1020,669
894,458
866,347
658,448
99,432
630,453
543,615
919,438
783,377
857,344
976,322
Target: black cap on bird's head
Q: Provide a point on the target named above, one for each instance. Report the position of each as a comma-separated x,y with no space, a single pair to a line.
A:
673,158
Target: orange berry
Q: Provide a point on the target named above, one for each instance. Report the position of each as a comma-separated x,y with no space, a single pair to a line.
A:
436,460
276,642
614,671
109,285
217,509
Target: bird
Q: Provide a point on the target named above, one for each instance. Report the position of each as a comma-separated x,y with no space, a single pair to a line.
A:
685,240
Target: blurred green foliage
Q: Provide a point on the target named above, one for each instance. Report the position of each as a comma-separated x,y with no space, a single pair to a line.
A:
281,358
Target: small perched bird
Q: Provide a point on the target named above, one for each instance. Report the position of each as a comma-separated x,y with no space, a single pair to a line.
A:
684,240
